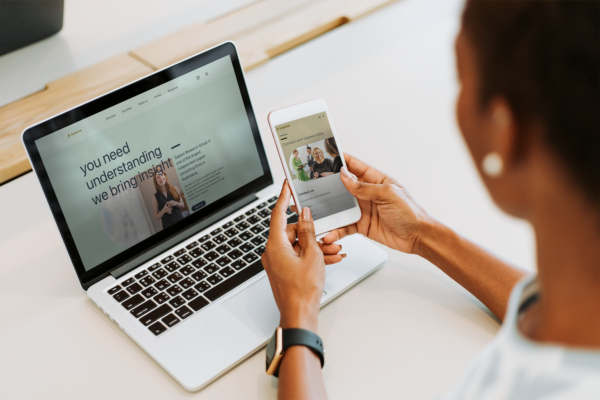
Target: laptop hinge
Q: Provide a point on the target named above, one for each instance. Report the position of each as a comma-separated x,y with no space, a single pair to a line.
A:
180,237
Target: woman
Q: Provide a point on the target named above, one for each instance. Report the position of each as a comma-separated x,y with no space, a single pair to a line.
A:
299,167
332,150
322,166
528,111
166,199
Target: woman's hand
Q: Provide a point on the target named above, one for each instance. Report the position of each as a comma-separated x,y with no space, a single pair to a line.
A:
316,175
326,173
296,269
390,215
167,209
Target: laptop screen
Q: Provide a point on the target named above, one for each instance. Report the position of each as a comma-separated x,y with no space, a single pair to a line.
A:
147,164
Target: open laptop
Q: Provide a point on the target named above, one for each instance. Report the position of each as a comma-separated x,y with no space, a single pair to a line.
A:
161,191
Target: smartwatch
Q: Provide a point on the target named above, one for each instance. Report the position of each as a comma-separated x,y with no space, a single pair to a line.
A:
284,338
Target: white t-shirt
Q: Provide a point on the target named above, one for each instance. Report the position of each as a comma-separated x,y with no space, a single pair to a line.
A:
514,367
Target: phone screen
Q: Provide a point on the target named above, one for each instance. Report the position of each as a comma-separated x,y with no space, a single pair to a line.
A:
314,162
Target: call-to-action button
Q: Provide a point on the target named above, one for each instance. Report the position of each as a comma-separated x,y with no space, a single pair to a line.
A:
198,206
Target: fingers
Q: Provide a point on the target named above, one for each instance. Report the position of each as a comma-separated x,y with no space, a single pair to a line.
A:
364,190
330,249
329,260
294,209
306,232
279,216
340,233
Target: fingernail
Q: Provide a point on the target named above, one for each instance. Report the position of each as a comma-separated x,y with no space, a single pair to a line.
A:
344,255
306,214
345,172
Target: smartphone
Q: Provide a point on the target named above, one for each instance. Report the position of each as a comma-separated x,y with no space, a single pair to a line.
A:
312,156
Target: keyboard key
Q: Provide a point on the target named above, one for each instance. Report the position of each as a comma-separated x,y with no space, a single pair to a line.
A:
199,263
149,292
189,294
288,211
234,281
210,268
293,219
127,282
183,312
187,283
147,281
214,279
159,273
258,240
192,245
154,267
231,232
204,238
172,266
177,302
208,246
223,261
170,320
246,235
186,258
271,207
174,277
162,284
178,252
250,258
114,289
272,199
155,315
141,274
174,290
220,239
211,256
253,219
199,275
196,253
235,242
238,264
227,272
265,233
198,303
222,249
161,298
202,286
143,309
122,295
242,226
188,269
250,212
238,219
216,231
259,250
167,260
157,328
261,205
235,254
256,229
246,247
266,223
133,289
228,225
132,302
264,213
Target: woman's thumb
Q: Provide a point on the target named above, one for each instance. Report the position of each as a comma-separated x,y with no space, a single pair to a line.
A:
360,190
306,231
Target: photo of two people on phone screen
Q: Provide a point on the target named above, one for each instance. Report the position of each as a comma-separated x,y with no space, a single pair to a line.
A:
315,160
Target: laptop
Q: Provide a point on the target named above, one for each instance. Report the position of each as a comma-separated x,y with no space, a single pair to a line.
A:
162,193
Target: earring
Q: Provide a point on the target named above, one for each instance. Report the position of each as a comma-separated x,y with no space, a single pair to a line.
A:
493,165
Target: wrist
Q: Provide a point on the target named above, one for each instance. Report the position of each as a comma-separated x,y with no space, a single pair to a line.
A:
302,317
432,235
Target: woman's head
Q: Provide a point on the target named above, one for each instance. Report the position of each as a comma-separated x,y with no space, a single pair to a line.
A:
529,73
331,147
161,182
295,153
318,154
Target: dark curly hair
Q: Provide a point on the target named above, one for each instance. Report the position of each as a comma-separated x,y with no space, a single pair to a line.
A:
543,57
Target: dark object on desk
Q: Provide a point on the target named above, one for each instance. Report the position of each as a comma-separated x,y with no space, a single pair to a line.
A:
24,22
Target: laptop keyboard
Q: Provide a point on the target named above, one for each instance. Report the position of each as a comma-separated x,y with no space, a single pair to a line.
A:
192,277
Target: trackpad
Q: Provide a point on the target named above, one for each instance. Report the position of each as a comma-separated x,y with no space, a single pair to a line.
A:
255,307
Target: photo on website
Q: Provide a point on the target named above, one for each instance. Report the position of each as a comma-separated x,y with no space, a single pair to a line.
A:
315,163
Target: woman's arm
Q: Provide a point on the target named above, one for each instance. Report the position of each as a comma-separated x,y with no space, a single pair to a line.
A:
157,215
391,216
180,205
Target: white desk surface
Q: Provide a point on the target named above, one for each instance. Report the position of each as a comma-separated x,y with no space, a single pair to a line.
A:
405,332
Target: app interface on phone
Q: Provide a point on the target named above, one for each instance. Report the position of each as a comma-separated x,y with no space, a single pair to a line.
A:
314,162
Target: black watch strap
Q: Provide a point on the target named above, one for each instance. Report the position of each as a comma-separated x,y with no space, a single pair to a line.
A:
302,337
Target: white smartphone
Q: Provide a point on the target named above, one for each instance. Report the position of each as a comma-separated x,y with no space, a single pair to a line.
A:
312,156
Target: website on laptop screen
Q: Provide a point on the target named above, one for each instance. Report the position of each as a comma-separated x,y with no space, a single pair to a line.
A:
132,170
